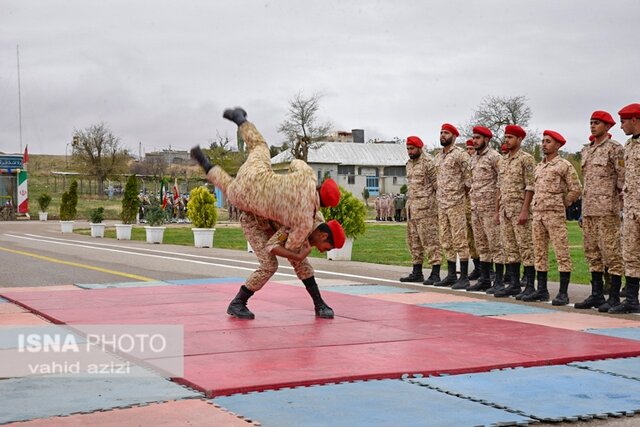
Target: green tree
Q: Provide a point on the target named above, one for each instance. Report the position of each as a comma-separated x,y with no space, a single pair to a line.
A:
350,212
69,203
301,128
130,200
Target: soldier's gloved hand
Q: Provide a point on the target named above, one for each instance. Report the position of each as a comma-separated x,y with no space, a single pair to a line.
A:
198,155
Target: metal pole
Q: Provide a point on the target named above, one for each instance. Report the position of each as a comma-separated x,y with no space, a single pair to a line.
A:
19,97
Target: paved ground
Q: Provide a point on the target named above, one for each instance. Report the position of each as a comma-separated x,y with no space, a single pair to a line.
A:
39,258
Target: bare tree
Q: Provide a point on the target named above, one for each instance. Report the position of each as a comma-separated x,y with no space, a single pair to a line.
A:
97,152
154,166
221,153
301,127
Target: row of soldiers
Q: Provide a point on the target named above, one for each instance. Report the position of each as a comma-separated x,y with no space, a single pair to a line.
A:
516,208
391,207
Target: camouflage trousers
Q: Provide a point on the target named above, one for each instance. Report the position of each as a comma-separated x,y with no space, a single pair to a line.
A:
551,226
631,242
487,236
258,231
602,244
516,240
422,236
473,253
453,232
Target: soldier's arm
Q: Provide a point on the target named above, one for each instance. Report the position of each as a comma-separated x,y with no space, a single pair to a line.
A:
528,169
465,169
497,215
275,245
573,186
618,164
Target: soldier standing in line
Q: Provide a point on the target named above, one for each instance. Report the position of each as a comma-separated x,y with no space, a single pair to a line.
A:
556,188
454,181
515,191
485,166
471,150
376,203
630,124
473,252
603,174
422,213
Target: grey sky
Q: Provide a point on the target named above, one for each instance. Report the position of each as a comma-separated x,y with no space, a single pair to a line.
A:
161,72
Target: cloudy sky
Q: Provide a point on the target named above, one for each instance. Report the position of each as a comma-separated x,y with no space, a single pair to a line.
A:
161,72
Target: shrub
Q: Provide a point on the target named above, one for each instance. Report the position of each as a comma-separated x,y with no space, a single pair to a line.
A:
44,201
155,215
404,189
350,212
130,201
96,215
201,208
69,202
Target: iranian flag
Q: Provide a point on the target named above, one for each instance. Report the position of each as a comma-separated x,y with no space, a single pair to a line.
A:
23,194
163,194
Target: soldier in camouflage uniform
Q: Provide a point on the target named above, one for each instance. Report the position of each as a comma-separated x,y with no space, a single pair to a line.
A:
556,188
473,252
630,124
454,181
485,166
422,213
603,175
515,191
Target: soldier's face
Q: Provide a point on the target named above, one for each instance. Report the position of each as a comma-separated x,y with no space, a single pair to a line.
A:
320,240
479,141
599,128
413,151
549,145
512,142
446,138
471,150
630,126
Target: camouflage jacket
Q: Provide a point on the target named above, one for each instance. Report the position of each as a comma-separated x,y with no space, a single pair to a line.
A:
454,177
632,175
484,172
422,183
603,175
556,186
515,177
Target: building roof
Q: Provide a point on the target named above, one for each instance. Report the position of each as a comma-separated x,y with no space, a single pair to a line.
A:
358,154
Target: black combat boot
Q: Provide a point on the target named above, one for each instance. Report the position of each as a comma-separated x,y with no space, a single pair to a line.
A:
630,303
434,276
507,275
542,293
530,282
322,309
476,273
514,286
485,278
236,115
238,307
614,294
415,275
451,277
596,299
563,296
498,282
463,280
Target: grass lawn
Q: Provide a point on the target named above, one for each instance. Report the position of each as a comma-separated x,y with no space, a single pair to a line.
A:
381,244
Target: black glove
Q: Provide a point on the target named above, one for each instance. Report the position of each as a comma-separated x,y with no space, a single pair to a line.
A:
198,155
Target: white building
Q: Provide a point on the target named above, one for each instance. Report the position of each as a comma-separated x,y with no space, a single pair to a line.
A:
379,167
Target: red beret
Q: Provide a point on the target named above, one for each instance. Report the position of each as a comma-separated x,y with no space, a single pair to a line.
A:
481,130
504,148
555,135
469,142
329,193
415,141
515,130
450,128
630,111
337,233
603,116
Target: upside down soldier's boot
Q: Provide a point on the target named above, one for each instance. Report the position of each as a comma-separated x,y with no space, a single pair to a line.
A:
630,303
238,307
596,299
485,278
322,309
434,276
463,280
542,293
236,115
415,276
498,281
530,284
614,294
477,272
514,287
563,296
451,277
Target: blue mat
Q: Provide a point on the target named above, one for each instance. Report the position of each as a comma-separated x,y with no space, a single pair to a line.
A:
629,333
210,281
368,289
120,285
551,393
42,397
371,403
628,367
487,308
3,300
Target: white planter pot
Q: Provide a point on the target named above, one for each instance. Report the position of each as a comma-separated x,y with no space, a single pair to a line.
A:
97,230
43,216
123,231
342,254
66,226
154,234
203,237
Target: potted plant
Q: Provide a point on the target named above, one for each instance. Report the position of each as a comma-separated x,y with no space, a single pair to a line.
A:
156,217
202,211
68,205
350,213
130,207
44,201
96,218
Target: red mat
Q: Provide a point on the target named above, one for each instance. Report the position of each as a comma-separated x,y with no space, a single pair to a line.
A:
287,346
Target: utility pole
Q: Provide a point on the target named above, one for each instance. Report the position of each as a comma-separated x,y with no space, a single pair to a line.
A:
140,150
19,98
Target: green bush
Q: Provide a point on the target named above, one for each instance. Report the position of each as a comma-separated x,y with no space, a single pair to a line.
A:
130,201
155,215
69,202
96,216
404,189
44,201
201,208
350,212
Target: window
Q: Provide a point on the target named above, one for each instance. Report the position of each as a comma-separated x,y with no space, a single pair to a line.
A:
351,179
346,170
395,171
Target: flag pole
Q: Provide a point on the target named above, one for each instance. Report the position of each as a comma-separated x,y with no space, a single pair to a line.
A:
19,97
